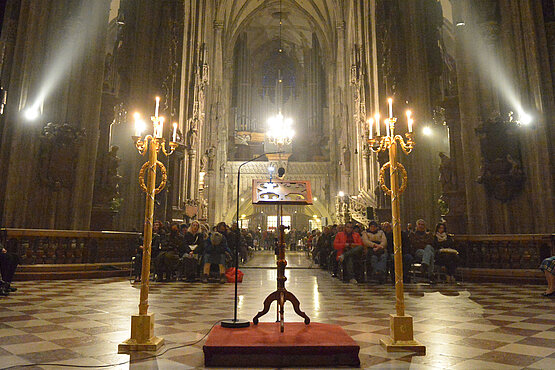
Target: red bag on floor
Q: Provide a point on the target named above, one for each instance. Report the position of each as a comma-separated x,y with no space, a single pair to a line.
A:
230,275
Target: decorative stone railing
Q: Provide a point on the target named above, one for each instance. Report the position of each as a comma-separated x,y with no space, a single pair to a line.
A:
504,251
38,246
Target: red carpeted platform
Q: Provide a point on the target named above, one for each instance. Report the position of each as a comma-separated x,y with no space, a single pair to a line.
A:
263,345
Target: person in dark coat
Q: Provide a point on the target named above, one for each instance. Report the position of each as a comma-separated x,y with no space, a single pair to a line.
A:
8,265
191,248
215,249
447,255
168,260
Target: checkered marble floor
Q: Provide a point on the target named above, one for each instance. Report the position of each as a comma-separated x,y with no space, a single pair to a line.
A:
466,326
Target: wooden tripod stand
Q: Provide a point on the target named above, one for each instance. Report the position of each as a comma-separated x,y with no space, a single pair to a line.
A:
281,295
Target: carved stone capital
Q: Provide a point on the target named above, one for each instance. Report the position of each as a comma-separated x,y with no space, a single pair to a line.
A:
218,25
489,31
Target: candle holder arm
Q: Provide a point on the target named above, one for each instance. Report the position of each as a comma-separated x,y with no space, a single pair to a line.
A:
141,144
383,144
408,146
172,145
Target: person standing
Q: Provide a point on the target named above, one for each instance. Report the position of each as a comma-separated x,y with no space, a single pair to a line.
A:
8,265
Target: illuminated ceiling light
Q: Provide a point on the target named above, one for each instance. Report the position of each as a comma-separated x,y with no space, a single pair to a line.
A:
243,216
32,114
315,198
460,24
242,199
341,194
315,216
280,130
427,131
524,118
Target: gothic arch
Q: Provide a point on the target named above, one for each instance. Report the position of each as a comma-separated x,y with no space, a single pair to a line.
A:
323,15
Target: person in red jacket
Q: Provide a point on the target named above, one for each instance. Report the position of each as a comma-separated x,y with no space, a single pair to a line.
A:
349,246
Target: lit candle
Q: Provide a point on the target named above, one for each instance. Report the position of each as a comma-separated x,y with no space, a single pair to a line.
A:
160,127
387,126
377,119
174,131
370,126
390,102
409,120
138,126
157,106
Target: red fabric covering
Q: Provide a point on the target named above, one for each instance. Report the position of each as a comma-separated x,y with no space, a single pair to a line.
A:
230,275
263,345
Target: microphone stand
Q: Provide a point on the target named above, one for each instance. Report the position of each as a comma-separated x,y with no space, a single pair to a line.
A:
235,323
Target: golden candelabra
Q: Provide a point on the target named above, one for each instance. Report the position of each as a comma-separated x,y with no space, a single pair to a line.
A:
401,325
142,325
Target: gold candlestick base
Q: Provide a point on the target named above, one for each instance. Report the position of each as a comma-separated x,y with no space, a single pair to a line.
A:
142,335
402,336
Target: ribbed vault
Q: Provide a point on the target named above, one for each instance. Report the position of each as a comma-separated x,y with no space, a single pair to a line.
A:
300,19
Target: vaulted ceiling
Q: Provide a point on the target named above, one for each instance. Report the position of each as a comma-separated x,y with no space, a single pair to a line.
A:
300,19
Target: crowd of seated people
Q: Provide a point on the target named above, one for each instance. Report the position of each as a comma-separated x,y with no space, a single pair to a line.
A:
193,251
357,253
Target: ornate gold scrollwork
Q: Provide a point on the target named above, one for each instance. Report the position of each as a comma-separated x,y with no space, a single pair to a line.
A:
162,183
408,146
404,178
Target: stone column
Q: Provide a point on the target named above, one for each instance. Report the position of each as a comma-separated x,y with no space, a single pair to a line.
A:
414,84
470,115
524,43
59,63
215,122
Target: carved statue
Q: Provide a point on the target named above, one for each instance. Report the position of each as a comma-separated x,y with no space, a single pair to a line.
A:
210,155
346,158
501,171
242,139
203,161
111,164
58,154
192,135
447,174
108,179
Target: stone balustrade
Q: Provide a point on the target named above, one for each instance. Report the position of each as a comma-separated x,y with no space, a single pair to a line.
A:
40,246
504,251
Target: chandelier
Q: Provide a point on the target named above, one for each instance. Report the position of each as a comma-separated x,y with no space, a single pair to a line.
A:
280,129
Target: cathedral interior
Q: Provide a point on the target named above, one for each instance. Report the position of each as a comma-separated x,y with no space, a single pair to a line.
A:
392,111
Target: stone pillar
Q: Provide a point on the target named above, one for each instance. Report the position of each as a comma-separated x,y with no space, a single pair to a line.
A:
524,43
453,192
414,84
140,83
470,115
216,123
514,41
58,65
